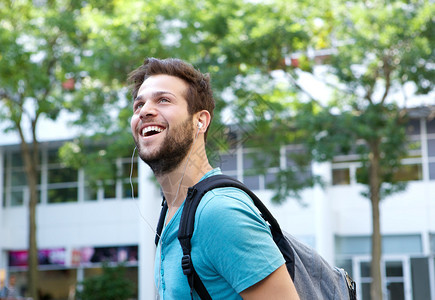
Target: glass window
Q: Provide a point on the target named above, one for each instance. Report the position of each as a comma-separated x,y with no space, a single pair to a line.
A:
394,269
127,169
432,242
413,127
60,175
341,176
252,182
365,279
414,148
248,162
352,245
420,274
398,244
127,191
4,173
431,147
228,162
91,193
396,290
62,195
431,126
16,159
109,190
272,160
345,264
365,269
296,157
17,197
366,291
269,180
409,172
53,157
18,177
391,244
395,280
432,171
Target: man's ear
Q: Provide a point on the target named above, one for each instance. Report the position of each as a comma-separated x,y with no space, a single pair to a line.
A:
203,120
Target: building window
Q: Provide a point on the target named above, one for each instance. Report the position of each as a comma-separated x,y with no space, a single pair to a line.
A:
341,176
431,147
409,172
228,163
62,195
432,171
62,182
391,244
431,126
413,127
127,168
15,179
421,277
432,243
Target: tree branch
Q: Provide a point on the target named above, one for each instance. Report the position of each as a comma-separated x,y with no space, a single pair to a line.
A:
387,72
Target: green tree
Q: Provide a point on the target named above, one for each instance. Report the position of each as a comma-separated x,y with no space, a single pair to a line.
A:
47,67
377,49
112,284
380,47
38,48
219,37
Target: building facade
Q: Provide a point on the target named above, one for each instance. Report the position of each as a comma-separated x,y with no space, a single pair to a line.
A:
80,226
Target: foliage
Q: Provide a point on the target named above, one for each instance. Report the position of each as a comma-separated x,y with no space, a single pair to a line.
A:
112,284
222,38
380,49
68,55
40,47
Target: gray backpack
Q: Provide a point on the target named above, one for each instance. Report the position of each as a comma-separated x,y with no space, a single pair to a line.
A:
313,277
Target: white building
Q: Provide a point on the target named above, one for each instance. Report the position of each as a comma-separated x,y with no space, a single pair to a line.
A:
78,227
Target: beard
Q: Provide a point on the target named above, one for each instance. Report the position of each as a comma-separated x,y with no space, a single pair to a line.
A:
173,150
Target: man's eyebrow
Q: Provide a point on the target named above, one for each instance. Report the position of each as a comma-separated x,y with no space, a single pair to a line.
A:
155,95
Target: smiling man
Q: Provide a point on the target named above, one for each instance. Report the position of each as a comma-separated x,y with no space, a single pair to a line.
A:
232,248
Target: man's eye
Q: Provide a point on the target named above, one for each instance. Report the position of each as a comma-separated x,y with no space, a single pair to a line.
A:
164,100
138,106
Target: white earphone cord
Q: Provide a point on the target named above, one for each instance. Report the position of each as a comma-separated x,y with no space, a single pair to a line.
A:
179,185
132,195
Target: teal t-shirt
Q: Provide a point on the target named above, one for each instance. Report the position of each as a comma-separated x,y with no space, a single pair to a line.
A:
232,247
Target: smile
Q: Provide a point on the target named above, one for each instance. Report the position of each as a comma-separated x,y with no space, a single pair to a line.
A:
151,130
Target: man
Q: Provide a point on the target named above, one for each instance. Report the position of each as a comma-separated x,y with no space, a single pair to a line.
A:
232,248
9,292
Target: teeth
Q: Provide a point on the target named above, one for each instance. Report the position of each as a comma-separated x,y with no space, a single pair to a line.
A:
151,128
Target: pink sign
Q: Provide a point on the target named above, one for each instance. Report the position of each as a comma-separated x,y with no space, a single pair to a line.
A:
45,257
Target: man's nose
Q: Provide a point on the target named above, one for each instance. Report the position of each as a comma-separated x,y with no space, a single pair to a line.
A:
148,109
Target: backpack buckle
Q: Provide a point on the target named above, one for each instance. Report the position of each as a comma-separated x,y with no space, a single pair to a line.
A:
186,264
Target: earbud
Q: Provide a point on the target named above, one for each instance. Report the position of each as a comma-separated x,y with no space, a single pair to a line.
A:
200,125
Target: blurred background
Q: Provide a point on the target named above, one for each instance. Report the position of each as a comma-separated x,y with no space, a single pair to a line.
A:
324,108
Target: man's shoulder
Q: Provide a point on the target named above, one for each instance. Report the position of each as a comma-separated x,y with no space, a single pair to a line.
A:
226,195
226,203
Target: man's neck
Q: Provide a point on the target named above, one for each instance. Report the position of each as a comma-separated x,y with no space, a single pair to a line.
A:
175,183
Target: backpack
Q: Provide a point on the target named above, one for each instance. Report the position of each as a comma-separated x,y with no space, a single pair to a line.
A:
313,277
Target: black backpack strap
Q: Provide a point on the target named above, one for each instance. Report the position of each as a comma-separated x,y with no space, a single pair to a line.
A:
187,221
161,221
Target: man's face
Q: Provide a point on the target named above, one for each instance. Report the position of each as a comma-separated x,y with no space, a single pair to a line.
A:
162,128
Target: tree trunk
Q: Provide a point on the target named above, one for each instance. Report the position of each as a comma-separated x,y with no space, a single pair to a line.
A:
375,185
30,157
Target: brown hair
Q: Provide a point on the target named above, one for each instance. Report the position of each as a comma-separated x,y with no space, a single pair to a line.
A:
199,95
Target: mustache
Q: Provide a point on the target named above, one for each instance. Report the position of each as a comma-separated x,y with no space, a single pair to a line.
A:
146,120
